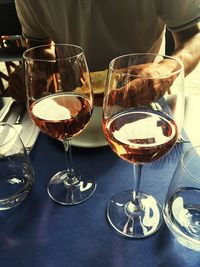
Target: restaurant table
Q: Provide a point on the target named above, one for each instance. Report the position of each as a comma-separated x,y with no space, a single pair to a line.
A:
40,232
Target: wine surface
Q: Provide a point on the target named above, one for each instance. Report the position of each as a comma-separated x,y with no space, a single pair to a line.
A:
62,115
139,136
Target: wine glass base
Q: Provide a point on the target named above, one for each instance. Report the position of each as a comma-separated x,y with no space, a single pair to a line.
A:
138,223
71,194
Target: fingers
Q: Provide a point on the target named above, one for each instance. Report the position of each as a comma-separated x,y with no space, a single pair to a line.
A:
16,87
140,92
150,84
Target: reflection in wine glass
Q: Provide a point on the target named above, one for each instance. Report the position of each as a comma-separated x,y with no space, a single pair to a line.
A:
60,102
142,118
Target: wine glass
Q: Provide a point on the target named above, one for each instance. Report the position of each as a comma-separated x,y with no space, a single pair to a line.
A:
60,102
182,204
17,175
142,118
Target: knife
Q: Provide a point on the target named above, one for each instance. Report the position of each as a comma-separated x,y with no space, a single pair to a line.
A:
13,113
17,114
5,104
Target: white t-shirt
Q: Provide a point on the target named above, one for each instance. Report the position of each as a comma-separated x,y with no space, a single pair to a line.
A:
106,28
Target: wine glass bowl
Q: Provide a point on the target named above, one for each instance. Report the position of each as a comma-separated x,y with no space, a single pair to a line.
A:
60,103
142,118
182,204
17,175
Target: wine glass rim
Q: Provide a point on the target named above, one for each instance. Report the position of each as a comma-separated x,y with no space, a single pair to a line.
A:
184,166
181,66
25,57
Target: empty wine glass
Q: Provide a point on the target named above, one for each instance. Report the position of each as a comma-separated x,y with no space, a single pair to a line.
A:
60,102
17,175
182,204
142,118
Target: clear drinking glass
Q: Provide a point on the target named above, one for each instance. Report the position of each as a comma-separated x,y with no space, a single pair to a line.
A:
60,102
182,204
142,118
16,172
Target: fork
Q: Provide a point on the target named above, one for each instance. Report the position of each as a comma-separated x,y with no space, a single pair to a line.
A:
182,140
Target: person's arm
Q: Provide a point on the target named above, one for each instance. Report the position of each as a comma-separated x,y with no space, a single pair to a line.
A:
30,42
187,47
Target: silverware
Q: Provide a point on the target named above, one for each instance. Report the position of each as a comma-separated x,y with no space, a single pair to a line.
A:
21,115
182,140
5,106
13,113
17,115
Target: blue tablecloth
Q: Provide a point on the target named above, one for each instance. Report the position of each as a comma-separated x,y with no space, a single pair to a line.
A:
42,233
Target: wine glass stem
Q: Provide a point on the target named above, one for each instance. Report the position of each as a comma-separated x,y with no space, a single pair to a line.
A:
137,168
70,177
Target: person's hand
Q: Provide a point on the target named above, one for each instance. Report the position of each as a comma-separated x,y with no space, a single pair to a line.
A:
155,81
16,87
